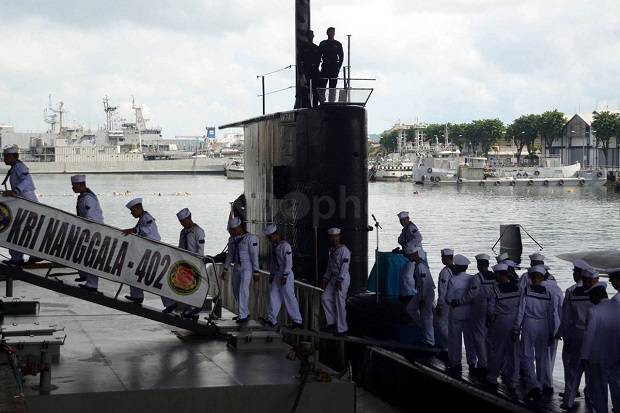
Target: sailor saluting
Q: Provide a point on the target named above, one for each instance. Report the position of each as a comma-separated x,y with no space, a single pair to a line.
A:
410,235
21,185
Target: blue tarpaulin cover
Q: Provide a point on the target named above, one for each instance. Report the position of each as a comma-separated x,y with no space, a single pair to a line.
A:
389,273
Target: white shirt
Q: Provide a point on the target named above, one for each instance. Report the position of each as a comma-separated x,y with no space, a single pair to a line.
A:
601,343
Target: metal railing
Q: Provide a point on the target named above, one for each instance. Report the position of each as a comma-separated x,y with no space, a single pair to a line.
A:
308,296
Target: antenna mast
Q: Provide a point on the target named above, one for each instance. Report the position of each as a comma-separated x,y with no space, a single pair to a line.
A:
140,123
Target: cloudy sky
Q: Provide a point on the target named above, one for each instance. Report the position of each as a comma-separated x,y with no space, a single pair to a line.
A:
192,63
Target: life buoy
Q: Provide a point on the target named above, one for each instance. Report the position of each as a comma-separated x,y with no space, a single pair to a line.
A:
530,182
432,178
459,181
561,182
582,182
599,174
512,183
437,179
525,174
429,170
536,173
518,174
497,183
546,182
481,183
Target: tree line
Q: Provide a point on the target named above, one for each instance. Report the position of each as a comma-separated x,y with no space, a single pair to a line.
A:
479,136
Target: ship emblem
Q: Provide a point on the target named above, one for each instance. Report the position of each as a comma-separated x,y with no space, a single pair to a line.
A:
5,217
184,278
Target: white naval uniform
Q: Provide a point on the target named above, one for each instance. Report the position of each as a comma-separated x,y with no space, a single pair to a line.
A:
503,308
147,228
410,236
243,254
460,288
485,282
282,267
334,301
601,349
575,309
558,297
21,183
442,309
420,308
407,284
191,239
88,207
536,321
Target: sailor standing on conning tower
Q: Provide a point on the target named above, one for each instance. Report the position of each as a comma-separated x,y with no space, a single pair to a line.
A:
145,227
410,235
21,185
87,207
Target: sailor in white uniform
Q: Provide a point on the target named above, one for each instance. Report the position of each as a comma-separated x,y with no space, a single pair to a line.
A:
536,323
503,308
88,207
336,280
407,283
442,308
575,309
282,279
192,239
535,259
459,296
558,297
601,348
420,307
145,227
21,185
243,256
410,235
485,281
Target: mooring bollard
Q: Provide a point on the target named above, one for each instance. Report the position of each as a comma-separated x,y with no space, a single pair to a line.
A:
45,372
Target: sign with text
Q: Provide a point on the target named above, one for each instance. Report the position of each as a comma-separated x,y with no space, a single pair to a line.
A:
58,236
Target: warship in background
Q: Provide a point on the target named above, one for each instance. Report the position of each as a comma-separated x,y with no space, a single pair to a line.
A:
118,147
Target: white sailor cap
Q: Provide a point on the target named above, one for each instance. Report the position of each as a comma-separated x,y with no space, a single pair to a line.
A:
482,257
509,263
234,222
10,150
589,273
184,213
448,252
582,265
461,260
403,214
600,284
133,202
333,231
537,257
502,257
270,229
500,267
539,269
78,179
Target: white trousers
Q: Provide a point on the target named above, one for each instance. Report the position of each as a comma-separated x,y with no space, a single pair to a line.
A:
553,351
334,303
241,279
283,294
535,352
502,351
479,333
459,331
573,369
600,378
422,315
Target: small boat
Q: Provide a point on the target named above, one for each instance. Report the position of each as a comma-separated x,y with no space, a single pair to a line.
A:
234,169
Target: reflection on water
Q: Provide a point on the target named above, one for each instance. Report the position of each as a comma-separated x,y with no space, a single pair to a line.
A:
461,217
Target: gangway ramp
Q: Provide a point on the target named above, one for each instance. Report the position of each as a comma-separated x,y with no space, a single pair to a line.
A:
53,284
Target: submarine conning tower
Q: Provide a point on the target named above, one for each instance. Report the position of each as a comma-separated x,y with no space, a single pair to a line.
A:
306,171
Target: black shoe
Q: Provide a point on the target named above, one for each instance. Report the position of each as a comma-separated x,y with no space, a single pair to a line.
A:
295,326
242,320
34,260
80,280
14,263
547,391
193,313
134,300
169,309
533,394
490,386
269,324
455,370
341,333
235,318
84,287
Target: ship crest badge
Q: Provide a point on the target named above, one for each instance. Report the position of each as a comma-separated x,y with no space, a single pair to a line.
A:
5,217
184,278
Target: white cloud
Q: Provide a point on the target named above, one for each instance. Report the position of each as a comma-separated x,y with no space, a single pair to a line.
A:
194,63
